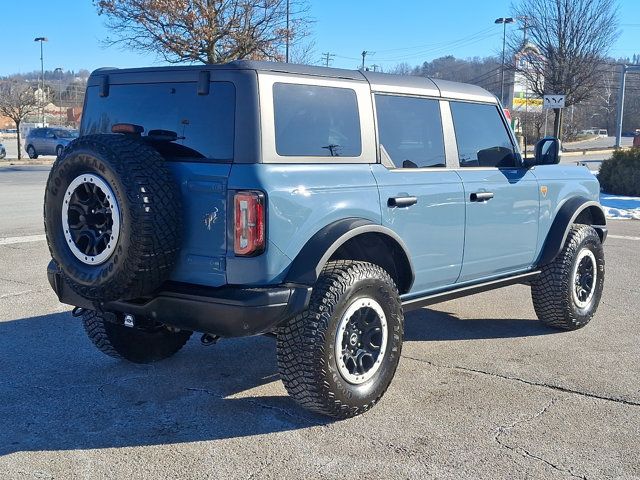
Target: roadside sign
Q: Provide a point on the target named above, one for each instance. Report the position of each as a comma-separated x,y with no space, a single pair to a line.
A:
553,101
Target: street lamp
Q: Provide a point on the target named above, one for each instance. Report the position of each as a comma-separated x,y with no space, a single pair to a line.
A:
41,40
503,21
59,70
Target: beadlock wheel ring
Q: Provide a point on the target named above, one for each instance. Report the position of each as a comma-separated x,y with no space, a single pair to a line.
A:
584,278
361,340
90,219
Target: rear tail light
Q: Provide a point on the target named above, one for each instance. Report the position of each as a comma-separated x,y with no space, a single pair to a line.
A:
248,223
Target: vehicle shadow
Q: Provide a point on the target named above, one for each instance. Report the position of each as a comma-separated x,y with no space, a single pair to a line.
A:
58,392
434,325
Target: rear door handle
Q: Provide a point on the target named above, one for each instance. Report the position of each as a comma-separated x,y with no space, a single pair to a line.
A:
481,196
402,202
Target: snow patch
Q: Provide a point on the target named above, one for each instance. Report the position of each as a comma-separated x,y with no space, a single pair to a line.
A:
620,207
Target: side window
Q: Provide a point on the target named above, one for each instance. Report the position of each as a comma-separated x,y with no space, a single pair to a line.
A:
482,137
314,121
410,130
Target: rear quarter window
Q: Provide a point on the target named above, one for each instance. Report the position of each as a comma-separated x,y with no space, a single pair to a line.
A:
206,122
410,131
316,121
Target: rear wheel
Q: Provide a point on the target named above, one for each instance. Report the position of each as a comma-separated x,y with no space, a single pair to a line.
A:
567,292
339,356
32,152
136,344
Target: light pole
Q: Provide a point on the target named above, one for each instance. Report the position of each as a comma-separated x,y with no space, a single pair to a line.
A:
59,70
503,21
41,40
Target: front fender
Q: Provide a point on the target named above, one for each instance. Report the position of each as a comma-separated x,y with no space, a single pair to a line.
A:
567,215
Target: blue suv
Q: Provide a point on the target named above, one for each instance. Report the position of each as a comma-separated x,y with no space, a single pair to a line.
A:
314,204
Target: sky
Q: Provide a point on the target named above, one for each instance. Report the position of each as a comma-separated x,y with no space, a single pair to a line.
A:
409,31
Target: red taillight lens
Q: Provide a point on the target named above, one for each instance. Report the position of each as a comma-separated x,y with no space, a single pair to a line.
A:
248,223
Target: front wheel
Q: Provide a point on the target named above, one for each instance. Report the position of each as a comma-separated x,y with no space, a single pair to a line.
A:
136,344
32,152
338,357
567,292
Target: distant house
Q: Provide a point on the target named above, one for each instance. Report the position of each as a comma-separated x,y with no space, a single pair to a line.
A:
6,122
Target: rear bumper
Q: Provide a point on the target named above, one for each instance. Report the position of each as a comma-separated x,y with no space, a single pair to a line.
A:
225,311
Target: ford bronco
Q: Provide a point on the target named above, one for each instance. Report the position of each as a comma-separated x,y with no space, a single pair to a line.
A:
314,204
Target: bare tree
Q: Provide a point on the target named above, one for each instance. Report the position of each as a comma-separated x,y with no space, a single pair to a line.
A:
207,31
17,100
573,38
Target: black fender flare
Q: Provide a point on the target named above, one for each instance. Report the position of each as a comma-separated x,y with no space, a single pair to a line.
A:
308,264
566,217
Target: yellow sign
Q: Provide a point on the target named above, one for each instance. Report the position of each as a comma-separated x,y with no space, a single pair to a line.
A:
527,102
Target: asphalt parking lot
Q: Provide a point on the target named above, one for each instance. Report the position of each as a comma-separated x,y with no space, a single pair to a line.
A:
483,389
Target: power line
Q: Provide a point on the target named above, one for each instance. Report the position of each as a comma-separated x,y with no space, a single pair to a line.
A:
431,45
462,42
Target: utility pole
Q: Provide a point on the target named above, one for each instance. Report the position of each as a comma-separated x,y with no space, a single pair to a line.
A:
623,76
41,40
504,22
525,25
59,70
287,37
327,58
364,55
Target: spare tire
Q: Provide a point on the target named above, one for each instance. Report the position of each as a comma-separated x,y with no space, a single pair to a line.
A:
112,217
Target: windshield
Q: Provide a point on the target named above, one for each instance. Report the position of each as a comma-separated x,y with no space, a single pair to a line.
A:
66,133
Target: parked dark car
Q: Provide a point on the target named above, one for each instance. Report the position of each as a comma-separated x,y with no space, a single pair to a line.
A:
48,141
3,152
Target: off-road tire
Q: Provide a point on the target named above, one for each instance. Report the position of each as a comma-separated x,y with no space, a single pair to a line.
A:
134,344
552,291
306,354
31,152
150,217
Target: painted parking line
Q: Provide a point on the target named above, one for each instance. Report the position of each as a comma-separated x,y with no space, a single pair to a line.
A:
25,239
623,237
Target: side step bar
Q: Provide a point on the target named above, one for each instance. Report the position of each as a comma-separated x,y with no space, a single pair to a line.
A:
433,298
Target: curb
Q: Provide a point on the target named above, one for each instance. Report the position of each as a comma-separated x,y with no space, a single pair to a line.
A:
20,163
577,153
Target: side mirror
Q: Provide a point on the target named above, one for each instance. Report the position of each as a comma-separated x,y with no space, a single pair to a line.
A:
548,151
